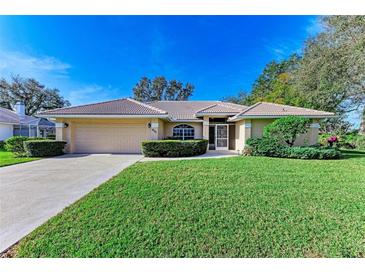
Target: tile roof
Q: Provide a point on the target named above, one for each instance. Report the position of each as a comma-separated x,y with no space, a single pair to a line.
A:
263,109
221,108
124,106
8,116
187,110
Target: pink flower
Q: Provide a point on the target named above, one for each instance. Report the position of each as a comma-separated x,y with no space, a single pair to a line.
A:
332,139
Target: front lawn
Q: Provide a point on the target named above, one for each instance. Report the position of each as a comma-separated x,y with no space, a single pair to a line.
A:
8,158
231,207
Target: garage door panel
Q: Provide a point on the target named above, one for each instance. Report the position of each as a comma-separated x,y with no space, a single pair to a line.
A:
109,138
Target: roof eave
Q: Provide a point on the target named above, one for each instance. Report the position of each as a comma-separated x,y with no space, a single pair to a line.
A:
185,121
131,116
234,119
215,114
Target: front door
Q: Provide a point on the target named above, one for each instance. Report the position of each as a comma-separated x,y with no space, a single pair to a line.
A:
221,141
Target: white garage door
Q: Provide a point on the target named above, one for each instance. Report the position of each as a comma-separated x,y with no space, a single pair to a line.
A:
109,138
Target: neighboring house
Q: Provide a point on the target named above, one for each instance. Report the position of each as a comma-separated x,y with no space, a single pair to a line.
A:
119,126
16,123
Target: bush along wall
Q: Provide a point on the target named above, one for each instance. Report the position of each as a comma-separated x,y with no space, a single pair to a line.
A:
279,138
272,148
174,148
43,148
15,144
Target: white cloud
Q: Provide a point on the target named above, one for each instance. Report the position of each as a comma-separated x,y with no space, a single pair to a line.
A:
25,65
55,74
91,94
314,27
281,49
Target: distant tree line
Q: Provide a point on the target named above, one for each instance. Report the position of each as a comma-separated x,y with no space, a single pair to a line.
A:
34,95
329,75
160,88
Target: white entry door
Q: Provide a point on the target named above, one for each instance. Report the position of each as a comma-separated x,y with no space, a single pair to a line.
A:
221,140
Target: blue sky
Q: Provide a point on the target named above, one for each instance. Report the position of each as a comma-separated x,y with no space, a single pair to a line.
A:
94,58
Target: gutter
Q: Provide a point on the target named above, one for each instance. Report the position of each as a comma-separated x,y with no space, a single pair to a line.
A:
100,116
276,116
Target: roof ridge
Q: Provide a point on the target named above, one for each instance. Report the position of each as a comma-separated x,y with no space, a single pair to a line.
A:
145,105
9,110
238,106
91,104
282,105
226,104
247,109
200,110
186,101
221,104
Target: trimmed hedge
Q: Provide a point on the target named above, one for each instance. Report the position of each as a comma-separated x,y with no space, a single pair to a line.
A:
272,148
312,153
44,148
265,147
174,148
15,144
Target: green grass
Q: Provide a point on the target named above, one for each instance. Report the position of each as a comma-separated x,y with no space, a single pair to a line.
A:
8,158
232,207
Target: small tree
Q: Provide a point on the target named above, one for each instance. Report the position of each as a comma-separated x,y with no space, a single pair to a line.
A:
287,129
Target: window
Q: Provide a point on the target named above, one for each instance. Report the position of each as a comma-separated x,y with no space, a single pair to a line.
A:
183,132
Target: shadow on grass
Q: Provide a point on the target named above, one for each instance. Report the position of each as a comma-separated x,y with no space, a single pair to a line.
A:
348,154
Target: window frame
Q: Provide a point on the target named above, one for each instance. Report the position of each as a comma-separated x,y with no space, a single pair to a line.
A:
183,134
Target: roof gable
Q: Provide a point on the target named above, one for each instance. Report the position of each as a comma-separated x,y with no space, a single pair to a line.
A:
264,109
125,106
220,108
189,110
8,116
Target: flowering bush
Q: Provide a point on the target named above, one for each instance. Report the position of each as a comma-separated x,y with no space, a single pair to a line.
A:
331,140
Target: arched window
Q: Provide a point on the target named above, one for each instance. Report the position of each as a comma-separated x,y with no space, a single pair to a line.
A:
183,132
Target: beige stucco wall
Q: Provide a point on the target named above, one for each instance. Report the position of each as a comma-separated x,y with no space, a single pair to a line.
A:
161,129
198,128
240,135
310,138
258,125
67,134
244,129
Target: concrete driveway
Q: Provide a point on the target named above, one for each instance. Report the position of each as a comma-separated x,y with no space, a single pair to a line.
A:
31,193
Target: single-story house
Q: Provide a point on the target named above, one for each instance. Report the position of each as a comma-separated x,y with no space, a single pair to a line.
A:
119,126
16,123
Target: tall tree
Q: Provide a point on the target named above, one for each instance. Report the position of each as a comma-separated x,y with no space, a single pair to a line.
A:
274,84
331,74
34,95
159,88
274,81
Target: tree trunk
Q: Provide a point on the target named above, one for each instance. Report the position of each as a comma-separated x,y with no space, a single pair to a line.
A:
362,124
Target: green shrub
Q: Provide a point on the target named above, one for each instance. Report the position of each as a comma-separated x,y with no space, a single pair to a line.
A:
43,148
350,140
311,153
272,148
174,148
15,144
2,145
265,147
287,129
